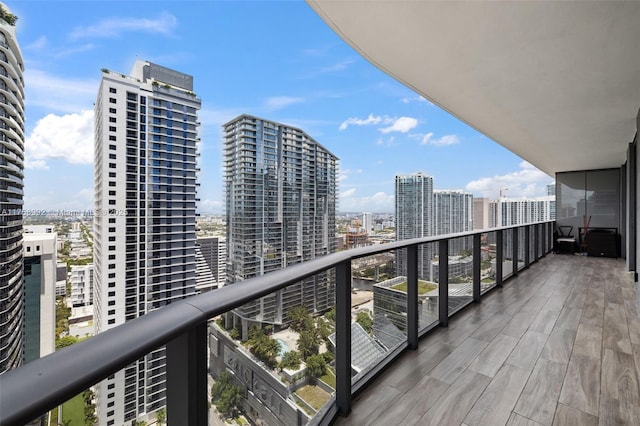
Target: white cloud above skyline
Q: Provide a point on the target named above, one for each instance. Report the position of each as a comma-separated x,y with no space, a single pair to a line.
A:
115,27
526,182
279,102
68,137
354,121
402,125
59,94
428,139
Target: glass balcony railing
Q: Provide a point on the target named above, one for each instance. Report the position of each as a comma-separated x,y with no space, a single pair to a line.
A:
362,307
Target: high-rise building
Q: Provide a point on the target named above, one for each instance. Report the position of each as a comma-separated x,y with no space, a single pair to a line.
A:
414,218
11,187
144,226
211,266
81,279
453,212
281,190
367,222
40,267
480,213
518,211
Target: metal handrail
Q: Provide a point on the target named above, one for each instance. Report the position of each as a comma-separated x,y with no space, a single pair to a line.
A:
42,384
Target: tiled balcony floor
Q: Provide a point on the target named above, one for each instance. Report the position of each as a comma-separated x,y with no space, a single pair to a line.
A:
558,345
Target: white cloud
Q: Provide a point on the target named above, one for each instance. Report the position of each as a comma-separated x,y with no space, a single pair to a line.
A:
445,140
526,182
40,43
402,125
114,27
210,206
407,100
68,137
372,119
279,102
59,94
378,202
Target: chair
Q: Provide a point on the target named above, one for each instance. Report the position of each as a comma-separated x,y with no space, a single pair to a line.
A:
565,243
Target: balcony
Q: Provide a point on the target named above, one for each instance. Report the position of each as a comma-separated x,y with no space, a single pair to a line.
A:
525,313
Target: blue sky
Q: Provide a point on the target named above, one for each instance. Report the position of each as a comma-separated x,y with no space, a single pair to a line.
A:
276,60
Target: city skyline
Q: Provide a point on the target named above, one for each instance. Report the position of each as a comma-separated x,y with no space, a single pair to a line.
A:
285,64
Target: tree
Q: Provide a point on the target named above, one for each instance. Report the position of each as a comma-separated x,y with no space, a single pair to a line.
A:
331,315
308,343
324,331
299,317
316,366
290,360
66,341
227,396
234,333
266,350
161,417
365,321
90,417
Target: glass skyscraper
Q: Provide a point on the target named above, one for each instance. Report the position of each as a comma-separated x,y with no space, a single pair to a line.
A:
11,192
281,192
414,218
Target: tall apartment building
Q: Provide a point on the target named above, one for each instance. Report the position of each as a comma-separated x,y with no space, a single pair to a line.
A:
517,211
367,222
40,274
281,190
11,187
414,218
81,279
480,213
211,263
453,212
144,226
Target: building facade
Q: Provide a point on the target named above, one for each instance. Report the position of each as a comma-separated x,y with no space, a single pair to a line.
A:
11,180
40,270
281,190
144,225
518,211
453,212
211,263
414,218
81,279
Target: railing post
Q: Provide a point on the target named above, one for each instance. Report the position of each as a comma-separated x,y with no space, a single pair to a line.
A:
186,387
527,248
343,338
514,251
499,257
443,282
477,260
412,296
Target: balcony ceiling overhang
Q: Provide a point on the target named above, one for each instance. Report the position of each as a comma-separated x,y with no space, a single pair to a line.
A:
555,82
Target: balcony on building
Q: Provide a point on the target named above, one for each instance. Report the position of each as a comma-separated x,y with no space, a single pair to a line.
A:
545,337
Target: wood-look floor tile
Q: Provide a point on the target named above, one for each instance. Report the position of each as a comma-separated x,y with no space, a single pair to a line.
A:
588,341
540,396
493,356
491,327
616,336
569,318
452,366
454,405
518,420
567,416
527,350
544,321
497,401
581,387
519,324
617,413
619,380
559,346
413,404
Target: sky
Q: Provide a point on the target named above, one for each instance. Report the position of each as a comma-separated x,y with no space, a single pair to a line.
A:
275,60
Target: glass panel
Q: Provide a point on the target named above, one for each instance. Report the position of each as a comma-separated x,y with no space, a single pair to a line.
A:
277,356
533,231
460,274
521,247
487,261
507,253
428,289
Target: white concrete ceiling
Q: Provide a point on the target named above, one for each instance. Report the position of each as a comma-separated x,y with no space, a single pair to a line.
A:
555,82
